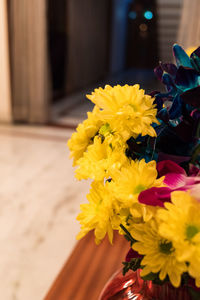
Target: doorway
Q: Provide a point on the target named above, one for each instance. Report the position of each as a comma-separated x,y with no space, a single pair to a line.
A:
57,46
78,49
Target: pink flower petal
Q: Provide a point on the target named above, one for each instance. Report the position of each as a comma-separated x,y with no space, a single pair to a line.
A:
192,180
179,181
175,181
168,166
155,196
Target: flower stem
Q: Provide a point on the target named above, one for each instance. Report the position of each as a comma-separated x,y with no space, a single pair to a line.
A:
131,239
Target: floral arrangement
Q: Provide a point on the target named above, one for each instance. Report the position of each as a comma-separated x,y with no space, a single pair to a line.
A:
142,153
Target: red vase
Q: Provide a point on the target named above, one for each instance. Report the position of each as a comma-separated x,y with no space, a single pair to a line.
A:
132,286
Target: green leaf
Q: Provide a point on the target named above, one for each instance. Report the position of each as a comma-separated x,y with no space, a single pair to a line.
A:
133,265
154,277
150,276
127,235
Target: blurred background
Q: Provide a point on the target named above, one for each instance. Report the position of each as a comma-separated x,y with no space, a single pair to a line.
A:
52,53
61,50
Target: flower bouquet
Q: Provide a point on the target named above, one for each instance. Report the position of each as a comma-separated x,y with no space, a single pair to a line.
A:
142,153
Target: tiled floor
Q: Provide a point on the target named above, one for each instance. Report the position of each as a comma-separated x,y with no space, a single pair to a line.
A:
39,202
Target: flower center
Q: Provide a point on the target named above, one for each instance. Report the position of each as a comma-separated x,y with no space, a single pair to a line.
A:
105,129
191,231
166,247
133,106
139,188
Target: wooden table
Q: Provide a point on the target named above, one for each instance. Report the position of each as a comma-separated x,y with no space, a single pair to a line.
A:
88,269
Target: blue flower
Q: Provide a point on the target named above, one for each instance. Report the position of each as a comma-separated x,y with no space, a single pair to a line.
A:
182,82
178,133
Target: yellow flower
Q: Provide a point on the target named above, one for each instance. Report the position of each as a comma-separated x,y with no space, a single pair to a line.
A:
102,158
159,253
84,135
125,186
97,213
141,212
191,49
133,178
180,222
121,216
127,109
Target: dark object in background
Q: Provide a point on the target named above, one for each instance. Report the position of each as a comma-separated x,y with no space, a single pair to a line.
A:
57,45
78,44
80,40
142,49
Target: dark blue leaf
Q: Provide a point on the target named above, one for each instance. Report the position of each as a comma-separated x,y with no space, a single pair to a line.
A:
169,68
168,81
195,61
163,115
192,97
158,72
182,59
186,78
176,108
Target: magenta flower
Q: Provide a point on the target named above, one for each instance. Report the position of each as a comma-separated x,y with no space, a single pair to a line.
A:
168,166
176,179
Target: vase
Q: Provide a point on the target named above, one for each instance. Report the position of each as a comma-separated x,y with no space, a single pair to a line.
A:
132,286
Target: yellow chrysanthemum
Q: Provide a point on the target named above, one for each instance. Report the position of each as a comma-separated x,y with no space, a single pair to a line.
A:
128,218
159,254
121,216
133,178
181,224
102,158
142,213
84,135
127,109
97,213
